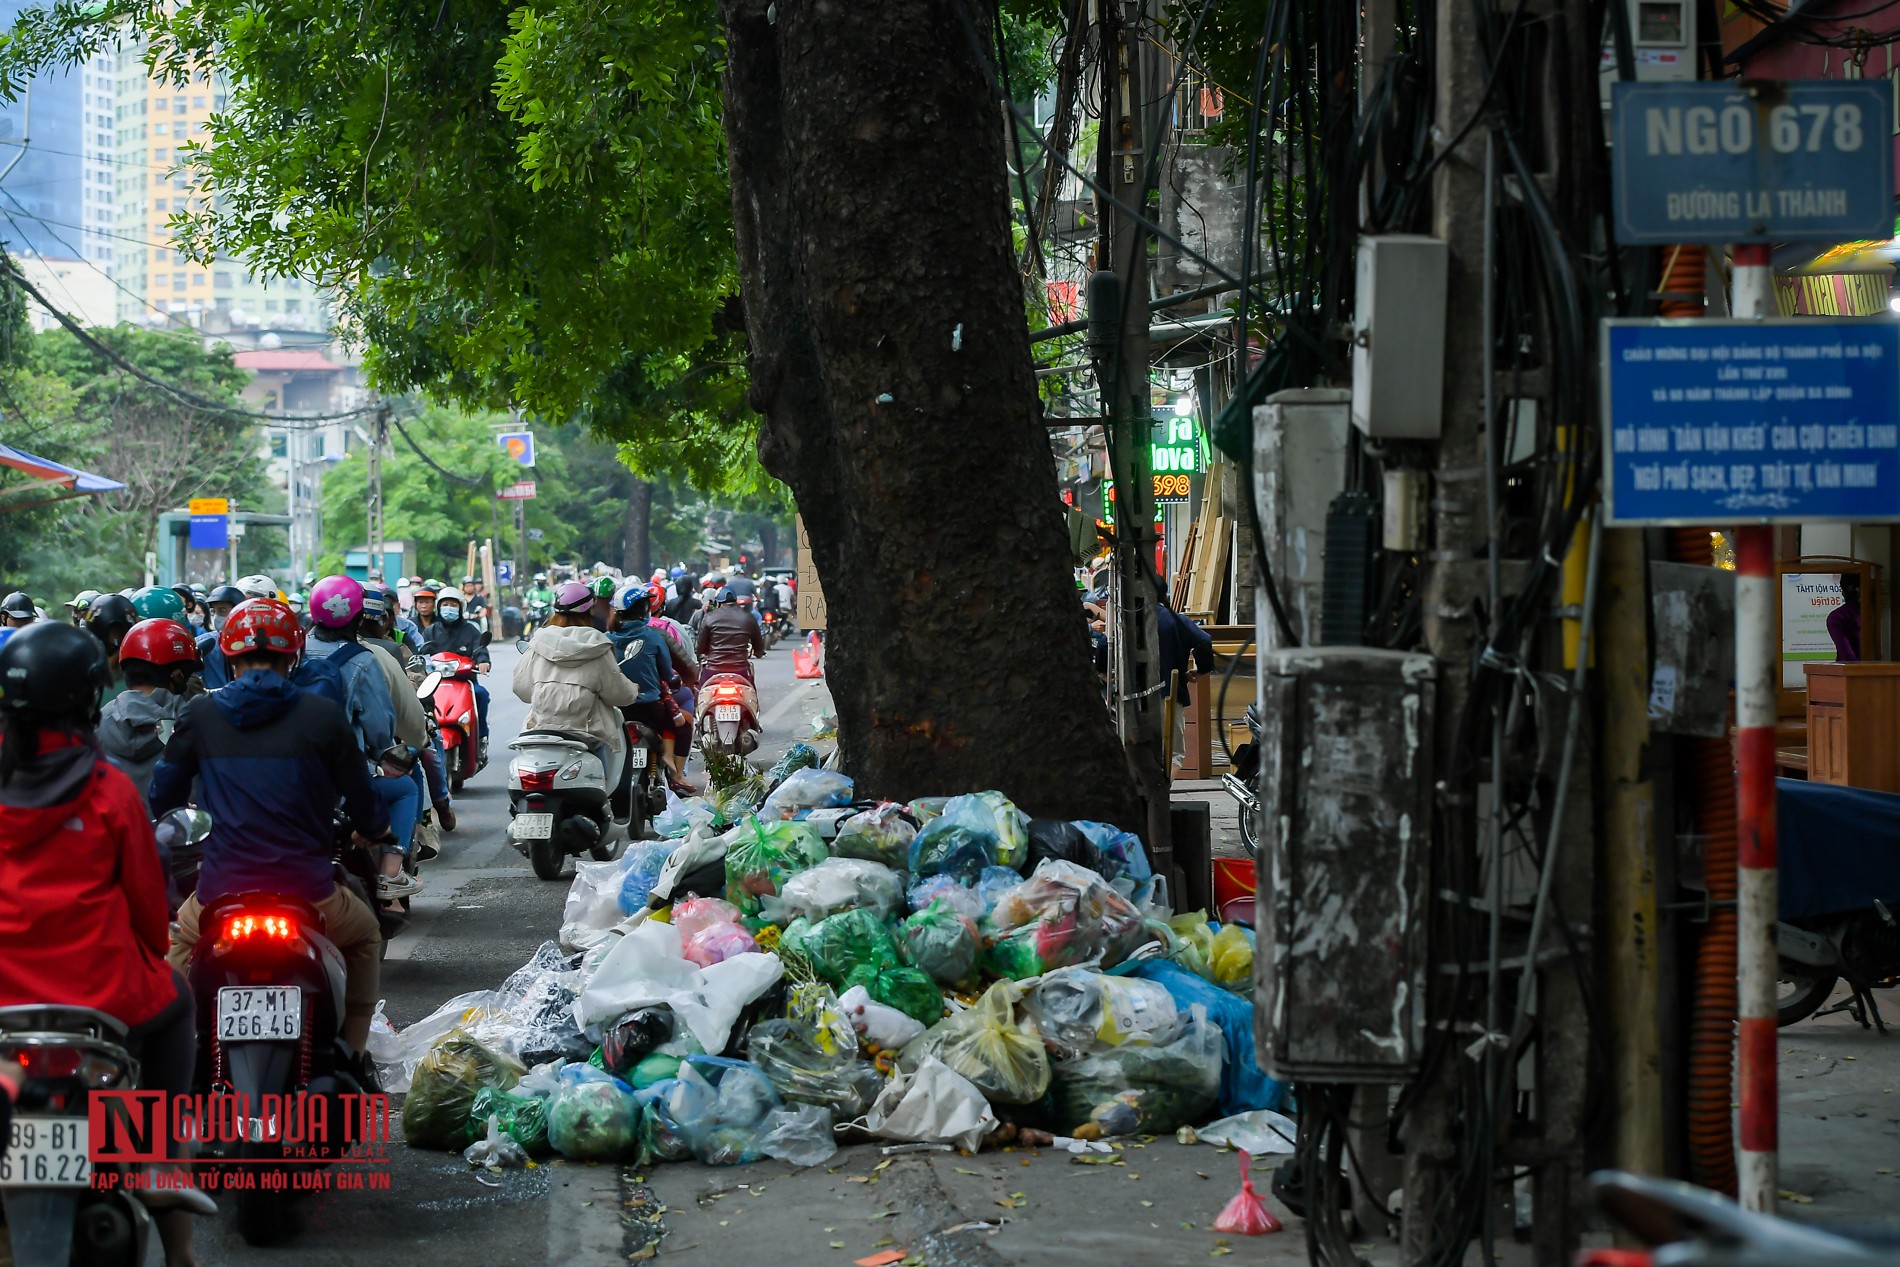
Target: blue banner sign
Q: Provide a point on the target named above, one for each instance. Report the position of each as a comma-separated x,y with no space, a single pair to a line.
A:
1753,161
1722,422
210,532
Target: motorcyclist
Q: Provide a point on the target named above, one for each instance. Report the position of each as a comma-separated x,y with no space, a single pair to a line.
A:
17,611
451,632
540,593
156,602
379,629
109,619
570,681
646,660
271,761
82,912
387,719
218,603
603,591
684,603
685,664
80,603
422,605
158,659
729,638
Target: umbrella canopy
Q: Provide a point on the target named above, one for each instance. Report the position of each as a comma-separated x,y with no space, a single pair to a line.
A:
52,481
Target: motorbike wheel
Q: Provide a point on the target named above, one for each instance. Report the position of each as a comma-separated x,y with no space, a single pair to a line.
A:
1800,992
607,853
546,858
457,763
1250,831
263,1214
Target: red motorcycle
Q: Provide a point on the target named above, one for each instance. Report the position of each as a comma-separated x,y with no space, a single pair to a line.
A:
450,691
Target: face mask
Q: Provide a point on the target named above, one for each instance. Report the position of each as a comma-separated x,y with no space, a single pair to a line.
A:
217,621
450,613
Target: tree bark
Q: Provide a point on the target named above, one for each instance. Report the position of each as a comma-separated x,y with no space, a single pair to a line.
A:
890,362
636,542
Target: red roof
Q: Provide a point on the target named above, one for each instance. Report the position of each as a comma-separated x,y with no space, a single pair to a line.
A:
283,359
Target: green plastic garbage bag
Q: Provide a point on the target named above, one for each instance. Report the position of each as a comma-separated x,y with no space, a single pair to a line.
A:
909,990
438,1110
764,855
524,1118
942,942
840,944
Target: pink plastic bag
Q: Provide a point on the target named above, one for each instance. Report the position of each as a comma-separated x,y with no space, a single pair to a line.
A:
710,931
1246,1214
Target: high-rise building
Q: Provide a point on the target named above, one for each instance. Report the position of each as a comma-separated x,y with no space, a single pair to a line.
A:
55,147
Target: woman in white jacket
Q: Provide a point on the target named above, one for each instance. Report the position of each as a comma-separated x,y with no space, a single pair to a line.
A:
570,679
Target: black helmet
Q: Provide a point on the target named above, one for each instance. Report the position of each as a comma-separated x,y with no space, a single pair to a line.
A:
226,594
107,612
18,605
50,669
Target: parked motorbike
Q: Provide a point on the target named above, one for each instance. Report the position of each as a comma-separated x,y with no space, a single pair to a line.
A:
1686,1226
1242,778
269,987
561,803
1815,954
450,692
728,721
535,617
55,1057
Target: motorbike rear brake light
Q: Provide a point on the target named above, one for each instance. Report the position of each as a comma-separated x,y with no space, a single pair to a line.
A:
246,925
537,780
51,1062
727,692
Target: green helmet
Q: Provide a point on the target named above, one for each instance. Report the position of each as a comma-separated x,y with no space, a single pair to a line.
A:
602,586
157,603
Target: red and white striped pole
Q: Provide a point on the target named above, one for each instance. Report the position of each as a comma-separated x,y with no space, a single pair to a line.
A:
1757,661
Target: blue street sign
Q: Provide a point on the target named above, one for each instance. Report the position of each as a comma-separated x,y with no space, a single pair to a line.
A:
210,532
1753,161
504,573
1719,422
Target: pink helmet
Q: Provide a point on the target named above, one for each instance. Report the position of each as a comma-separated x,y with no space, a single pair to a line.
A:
573,597
335,601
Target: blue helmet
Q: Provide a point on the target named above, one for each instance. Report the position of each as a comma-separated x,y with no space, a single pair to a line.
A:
675,572
725,595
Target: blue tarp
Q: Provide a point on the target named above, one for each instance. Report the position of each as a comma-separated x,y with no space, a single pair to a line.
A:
54,475
1839,847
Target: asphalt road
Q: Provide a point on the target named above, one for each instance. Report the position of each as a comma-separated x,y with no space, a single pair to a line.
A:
483,914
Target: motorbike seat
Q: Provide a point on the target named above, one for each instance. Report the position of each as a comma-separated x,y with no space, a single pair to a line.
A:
572,736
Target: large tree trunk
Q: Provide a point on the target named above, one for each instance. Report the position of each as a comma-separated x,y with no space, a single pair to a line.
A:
636,542
890,361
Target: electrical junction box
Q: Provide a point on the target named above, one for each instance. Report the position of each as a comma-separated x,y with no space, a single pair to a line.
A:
1398,345
1299,467
1346,803
1662,39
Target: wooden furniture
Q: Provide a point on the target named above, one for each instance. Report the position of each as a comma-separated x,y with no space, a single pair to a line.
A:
1204,757
1791,701
1854,725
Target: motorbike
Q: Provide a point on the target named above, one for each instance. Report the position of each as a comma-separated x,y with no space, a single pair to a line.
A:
728,721
1686,1226
1242,778
1816,953
181,843
560,802
449,690
773,627
269,987
55,1057
536,616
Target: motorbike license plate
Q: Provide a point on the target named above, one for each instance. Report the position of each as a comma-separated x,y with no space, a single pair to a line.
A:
725,712
46,1152
534,826
637,758
265,1014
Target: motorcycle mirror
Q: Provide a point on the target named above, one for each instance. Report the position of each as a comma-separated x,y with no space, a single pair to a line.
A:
427,689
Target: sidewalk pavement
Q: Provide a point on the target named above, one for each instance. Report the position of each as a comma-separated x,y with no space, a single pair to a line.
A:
1840,1118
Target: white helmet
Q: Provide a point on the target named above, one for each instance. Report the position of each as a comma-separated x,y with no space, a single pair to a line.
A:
258,585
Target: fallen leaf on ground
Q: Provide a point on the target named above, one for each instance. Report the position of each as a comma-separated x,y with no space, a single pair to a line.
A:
1796,1197
881,1259
960,1170
837,1244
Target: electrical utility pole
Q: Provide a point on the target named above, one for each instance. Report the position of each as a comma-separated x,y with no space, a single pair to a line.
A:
1118,292
378,438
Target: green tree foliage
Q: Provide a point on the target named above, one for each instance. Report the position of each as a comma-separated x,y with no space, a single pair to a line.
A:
64,401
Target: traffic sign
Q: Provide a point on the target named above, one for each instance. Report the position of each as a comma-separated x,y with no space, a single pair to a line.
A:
210,523
520,446
1753,161
520,491
1719,422
504,572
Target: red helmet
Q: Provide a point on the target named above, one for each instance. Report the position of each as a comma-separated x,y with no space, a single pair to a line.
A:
159,641
656,595
261,624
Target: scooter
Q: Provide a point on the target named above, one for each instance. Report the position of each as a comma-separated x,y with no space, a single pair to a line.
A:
561,803
1241,780
1686,1226
269,987
728,721
450,691
55,1216
537,616
1862,946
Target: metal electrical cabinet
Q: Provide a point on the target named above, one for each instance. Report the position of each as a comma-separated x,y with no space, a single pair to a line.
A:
1346,801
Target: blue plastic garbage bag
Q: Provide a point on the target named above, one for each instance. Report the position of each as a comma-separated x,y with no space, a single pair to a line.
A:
1243,1084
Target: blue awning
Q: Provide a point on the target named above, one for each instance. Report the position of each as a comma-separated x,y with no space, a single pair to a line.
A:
51,481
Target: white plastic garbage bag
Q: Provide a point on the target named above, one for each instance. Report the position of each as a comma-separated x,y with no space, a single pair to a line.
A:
1261,1132
413,1043
648,967
799,1134
932,1104
593,900
385,1044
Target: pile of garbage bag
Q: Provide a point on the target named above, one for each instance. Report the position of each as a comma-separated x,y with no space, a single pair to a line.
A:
791,967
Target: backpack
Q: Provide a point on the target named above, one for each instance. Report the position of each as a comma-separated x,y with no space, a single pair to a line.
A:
323,675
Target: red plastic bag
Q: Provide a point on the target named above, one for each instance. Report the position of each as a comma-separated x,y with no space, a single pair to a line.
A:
1246,1214
811,661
